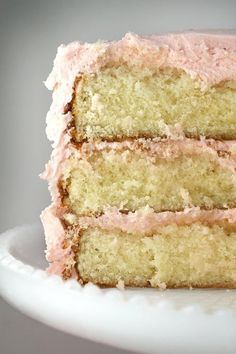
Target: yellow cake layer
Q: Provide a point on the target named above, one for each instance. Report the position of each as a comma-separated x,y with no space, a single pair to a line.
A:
184,256
123,102
130,180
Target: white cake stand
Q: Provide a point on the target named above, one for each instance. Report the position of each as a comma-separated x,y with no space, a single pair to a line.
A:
144,320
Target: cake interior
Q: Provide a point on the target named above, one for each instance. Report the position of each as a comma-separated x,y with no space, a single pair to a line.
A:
174,256
130,180
130,102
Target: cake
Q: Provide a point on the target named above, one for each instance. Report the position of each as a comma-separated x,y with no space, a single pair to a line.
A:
143,169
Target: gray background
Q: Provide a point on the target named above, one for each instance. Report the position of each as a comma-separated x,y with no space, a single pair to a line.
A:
30,32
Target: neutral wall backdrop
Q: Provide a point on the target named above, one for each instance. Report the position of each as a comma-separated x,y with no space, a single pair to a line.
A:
30,32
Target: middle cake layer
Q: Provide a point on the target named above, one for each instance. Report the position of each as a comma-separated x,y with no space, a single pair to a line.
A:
166,175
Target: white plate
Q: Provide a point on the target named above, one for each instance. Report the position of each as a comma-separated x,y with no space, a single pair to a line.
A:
143,320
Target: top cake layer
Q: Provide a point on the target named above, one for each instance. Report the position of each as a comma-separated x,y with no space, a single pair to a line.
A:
176,84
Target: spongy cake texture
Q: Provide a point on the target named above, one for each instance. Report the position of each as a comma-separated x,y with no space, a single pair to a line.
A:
130,180
143,171
121,102
174,256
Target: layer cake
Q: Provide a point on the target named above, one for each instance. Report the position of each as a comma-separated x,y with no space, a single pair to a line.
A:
142,175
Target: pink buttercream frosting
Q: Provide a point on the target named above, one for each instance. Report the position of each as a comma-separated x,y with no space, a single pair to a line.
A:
167,148
54,234
57,254
147,221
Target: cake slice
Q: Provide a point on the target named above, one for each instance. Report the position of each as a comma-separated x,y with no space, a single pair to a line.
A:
143,171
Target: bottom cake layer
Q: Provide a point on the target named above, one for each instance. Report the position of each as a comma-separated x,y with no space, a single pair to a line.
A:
191,248
174,256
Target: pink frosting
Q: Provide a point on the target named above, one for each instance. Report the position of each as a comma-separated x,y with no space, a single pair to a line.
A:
57,254
54,234
168,148
146,220
207,56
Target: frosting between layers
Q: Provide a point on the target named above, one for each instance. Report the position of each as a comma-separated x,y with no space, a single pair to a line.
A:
166,148
209,57
146,220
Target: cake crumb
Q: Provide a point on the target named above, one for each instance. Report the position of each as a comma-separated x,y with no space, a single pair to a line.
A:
120,285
